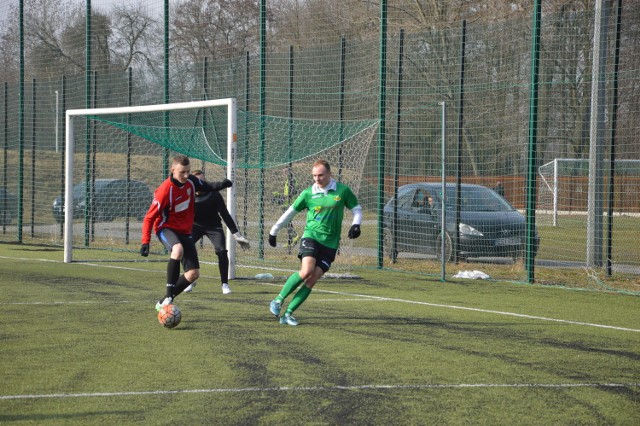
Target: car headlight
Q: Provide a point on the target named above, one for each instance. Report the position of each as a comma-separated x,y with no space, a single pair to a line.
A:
469,230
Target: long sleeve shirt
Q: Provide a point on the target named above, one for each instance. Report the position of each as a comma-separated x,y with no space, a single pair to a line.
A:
173,206
211,210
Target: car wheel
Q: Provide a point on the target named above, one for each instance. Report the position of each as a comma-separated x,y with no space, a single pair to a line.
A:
388,246
518,253
447,247
521,251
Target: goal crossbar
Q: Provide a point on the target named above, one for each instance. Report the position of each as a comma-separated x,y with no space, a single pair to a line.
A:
229,103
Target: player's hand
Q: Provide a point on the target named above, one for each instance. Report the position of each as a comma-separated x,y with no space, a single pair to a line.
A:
244,243
272,240
226,183
354,231
144,250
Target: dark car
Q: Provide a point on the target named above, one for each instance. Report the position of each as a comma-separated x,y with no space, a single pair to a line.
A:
8,207
489,225
109,200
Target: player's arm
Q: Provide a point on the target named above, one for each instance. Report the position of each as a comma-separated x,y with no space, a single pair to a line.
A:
204,186
283,221
147,223
228,220
356,210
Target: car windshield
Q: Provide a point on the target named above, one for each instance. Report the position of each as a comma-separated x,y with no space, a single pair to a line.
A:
78,189
473,198
477,199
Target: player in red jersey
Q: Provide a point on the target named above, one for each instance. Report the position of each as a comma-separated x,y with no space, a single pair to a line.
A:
171,215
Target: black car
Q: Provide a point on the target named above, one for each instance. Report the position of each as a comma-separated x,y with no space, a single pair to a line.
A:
109,200
8,207
489,225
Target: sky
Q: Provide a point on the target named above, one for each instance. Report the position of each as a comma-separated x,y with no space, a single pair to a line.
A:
4,8
157,5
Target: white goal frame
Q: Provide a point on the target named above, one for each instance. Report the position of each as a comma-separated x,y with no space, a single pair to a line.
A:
232,137
554,184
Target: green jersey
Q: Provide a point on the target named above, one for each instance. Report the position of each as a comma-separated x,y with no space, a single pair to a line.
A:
325,211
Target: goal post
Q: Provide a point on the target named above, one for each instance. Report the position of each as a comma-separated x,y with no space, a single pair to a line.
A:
267,157
231,132
564,180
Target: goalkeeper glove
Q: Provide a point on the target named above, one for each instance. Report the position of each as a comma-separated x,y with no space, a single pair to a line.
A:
226,183
244,243
144,250
272,240
354,231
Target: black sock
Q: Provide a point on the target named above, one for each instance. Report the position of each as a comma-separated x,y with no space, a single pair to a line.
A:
181,285
223,266
171,289
173,271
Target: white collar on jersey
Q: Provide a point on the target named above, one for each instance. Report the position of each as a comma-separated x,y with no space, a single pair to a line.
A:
315,189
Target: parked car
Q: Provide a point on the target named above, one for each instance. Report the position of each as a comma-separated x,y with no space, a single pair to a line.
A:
109,200
489,225
8,207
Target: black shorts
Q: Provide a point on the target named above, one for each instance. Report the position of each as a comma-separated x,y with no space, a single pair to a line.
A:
169,238
215,235
323,254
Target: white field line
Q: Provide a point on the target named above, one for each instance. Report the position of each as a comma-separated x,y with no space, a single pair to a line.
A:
85,302
354,299
488,311
386,299
326,389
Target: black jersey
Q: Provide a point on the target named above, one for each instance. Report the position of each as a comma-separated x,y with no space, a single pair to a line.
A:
211,210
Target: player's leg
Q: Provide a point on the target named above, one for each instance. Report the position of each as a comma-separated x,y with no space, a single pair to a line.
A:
220,246
197,233
223,266
312,269
190,264
301,295
290,285
307,255
172,243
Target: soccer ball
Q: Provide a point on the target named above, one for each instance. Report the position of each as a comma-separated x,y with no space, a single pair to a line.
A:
170,316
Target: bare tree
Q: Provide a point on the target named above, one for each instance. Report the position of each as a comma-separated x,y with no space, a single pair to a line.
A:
45,54
215,29
132,42
73,41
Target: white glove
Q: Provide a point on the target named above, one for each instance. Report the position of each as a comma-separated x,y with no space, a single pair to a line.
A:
244,243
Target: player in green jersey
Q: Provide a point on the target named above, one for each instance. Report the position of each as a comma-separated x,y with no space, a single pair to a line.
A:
325,202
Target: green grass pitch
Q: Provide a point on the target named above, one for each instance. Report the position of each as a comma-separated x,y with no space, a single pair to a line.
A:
80,344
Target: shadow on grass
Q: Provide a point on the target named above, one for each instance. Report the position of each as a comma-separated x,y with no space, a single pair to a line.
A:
70,416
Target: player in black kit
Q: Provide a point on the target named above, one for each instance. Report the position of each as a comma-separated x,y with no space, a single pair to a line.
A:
210,211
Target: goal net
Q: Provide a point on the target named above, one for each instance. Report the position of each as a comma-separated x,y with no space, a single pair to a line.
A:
268,158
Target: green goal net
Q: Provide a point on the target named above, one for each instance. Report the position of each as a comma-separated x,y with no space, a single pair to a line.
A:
268,158
202,134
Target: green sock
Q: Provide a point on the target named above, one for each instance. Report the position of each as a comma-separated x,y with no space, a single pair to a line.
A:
292,283
297,300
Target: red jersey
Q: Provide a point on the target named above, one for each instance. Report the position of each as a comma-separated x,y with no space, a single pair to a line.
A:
173,206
